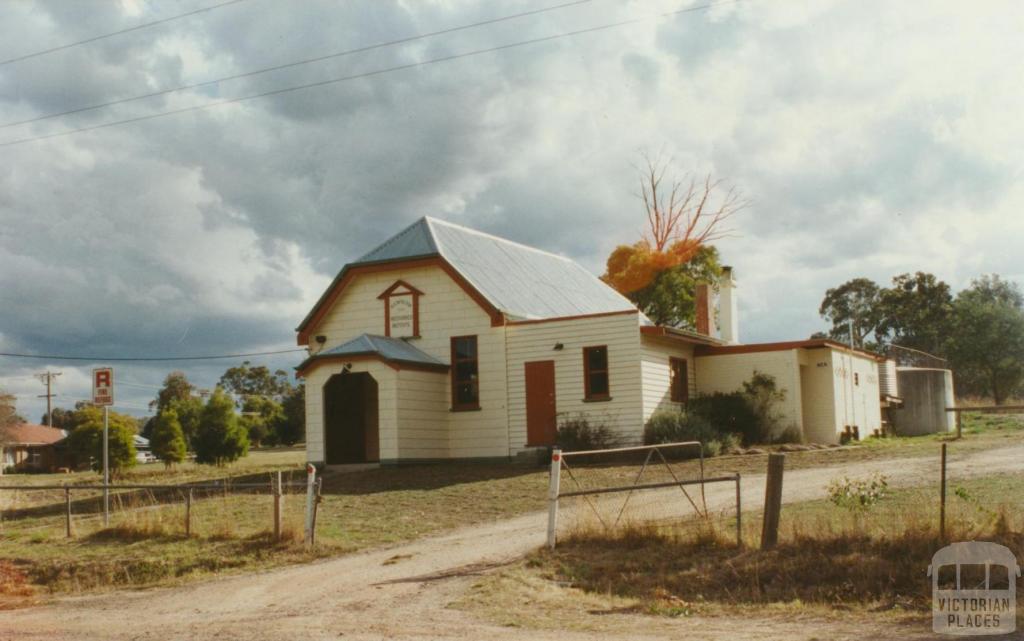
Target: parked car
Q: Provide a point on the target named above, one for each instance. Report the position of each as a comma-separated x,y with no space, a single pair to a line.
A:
145,457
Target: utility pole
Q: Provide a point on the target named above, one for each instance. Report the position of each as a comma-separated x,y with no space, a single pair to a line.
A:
47,378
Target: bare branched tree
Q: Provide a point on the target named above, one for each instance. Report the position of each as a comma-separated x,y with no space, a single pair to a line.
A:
692,211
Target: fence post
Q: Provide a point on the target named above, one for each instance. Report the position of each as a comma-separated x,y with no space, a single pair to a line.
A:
772,501
959,424
188,513
67,504
942,495
316,508
739,514
553,481
310,501
277,507
106,469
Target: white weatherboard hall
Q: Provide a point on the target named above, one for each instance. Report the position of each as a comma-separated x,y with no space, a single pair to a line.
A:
445,342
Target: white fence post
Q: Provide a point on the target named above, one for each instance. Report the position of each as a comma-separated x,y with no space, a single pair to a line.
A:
553,481
310,501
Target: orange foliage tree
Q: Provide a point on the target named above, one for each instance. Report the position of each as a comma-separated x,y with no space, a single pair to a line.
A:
681,219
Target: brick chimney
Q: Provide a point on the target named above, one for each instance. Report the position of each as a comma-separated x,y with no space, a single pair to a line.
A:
703,303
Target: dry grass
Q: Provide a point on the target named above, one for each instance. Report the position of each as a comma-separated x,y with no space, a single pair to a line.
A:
828,556
838,571
366,509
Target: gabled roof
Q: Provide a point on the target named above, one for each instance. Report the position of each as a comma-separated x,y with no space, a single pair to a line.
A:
519,282
30,434
389,350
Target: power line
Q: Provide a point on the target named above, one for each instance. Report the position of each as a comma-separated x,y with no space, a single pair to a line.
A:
368,74
140,385
348,52
47,378
111,359
116,33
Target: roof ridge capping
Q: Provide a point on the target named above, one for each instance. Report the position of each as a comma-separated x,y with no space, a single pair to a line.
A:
430,220
429,237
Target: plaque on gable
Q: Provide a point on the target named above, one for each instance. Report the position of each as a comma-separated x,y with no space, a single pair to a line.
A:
401,310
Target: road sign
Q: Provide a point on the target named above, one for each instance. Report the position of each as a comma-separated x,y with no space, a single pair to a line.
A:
103,386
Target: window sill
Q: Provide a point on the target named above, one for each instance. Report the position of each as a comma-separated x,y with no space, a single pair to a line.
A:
597,399
475,408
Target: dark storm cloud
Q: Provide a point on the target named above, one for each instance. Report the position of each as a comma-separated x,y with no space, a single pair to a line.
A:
214,231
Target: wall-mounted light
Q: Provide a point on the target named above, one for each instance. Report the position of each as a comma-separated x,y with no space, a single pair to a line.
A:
559,347
321,339
348,367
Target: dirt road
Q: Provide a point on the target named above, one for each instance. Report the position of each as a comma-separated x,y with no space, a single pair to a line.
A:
402,592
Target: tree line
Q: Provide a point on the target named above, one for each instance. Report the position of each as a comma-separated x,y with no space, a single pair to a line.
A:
979,330
250,406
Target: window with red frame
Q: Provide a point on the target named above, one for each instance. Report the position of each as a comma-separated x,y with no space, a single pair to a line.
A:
680,382
597,387
465,374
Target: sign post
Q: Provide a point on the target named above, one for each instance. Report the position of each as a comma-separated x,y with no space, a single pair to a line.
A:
103,395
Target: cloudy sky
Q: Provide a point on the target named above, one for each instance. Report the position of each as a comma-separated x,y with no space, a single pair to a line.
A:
871,138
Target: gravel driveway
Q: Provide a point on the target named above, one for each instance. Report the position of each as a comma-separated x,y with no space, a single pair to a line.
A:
402,592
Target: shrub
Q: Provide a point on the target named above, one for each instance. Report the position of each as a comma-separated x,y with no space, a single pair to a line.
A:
167,438
858,495
575,433
750,413
221,439
763,394
675,426
292,429
86,442
791,434
730,413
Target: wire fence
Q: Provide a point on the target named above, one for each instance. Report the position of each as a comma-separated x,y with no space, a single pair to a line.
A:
654,487
280,507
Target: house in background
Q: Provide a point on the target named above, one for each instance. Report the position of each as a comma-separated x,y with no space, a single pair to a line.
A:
26,447
445,342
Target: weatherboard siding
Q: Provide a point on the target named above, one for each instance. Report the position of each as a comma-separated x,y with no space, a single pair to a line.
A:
857,403
387,401
536,342
445,310
422,415
657,376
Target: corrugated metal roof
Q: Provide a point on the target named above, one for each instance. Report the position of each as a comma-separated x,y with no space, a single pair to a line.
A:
415,240
523,282
391,349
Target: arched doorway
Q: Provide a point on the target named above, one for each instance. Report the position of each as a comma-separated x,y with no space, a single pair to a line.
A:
350,419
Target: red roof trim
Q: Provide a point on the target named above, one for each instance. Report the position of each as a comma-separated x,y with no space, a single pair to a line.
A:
396,365
814,343
659,331
349,273
396,285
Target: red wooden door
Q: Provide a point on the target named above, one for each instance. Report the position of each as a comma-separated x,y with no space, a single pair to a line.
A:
541,422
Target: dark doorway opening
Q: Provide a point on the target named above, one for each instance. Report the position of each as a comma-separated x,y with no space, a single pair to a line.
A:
350,419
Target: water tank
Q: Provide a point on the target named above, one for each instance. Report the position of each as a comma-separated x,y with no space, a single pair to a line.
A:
888,382
926,393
